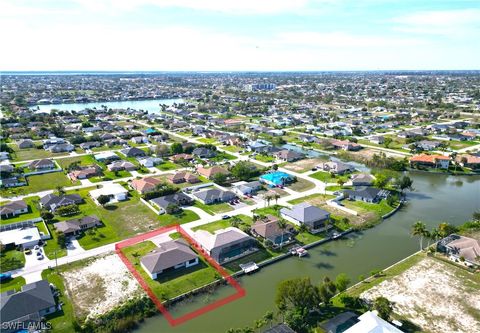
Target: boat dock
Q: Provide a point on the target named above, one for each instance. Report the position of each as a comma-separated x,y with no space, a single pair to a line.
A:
249,267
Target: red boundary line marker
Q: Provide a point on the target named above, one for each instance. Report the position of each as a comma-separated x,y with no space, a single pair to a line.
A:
171,320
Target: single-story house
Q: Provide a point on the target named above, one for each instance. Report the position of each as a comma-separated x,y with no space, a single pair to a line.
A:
247,188
345,145
133,152
13,209
26,237
258,147
145,185
182,177
149,162
52,201
179,199
27,306
179,157
361,179
377,139
76,226
140,139
114,191
106,157
304,213
289,155
90,144
338,168
430,161
121,165
427,144
168,256
268,229
24,144
367,194
212,196
60,148
468,161
371,322
210,172
203,153
461,247
12,182
86,172
225,244
43,164
6,168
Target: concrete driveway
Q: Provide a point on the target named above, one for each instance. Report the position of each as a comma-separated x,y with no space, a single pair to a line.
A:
74,247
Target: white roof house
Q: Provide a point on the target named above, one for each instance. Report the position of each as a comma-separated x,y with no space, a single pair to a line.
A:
371,323
25,237
115,191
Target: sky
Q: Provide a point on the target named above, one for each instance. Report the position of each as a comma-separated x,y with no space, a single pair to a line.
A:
240,35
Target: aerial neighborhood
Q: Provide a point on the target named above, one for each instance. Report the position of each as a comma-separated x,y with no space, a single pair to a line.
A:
221,177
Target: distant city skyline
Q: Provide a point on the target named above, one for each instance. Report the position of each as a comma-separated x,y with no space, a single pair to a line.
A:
248,35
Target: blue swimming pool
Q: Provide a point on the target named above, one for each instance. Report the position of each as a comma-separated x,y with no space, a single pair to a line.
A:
276,178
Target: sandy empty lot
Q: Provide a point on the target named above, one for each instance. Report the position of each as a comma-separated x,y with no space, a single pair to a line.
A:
303,165
436,296
100,286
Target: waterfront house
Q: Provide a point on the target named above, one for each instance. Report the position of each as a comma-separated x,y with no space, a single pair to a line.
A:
286,155
432,161
345,145
26,307
13,209
268,229
225,245
304,213
338,168
468,161
458,247
168,256
77,226
366,194
360,179
371,322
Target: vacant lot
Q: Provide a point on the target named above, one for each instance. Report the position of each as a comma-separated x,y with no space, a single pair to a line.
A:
303,165
435,295
100,285
301,185
31,153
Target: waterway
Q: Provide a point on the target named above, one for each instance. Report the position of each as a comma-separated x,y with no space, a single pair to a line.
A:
150,105
437,198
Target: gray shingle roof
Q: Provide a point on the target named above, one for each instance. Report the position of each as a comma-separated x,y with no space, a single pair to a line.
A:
305,213
33,298
167,255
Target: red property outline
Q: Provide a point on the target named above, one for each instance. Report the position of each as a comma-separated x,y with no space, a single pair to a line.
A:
177,321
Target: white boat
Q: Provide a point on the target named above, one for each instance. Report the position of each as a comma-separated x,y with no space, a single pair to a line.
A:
301,252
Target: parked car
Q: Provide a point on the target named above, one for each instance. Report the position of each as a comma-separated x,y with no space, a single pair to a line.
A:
27,251
36,247
39,256
5,276
225,217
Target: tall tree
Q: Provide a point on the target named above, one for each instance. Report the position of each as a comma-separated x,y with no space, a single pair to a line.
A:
298,293
419,229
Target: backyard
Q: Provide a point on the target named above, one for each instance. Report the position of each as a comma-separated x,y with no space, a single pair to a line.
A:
33,211
214,208
39,183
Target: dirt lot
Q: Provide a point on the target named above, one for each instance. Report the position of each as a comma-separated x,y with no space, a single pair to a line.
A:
303,165
100,286
435,295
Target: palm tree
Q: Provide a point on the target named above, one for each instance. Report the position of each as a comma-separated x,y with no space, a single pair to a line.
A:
282,225
60,190
235,221
276,196
419,229
268,317
435,234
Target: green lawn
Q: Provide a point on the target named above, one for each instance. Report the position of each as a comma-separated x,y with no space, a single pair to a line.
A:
12,259
214,208
61,321
264,158
301,185
171,283
320,196
232,149
208,141
380,208
47,181
184,217
12,284
167,165
33,211
31,153
52,249
261,255
222,156
326,177
85,160
222,224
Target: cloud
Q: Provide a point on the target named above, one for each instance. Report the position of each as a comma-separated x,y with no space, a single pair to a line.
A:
450,23
236,7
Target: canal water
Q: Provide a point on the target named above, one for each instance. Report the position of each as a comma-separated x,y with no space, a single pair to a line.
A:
437,198
150,105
